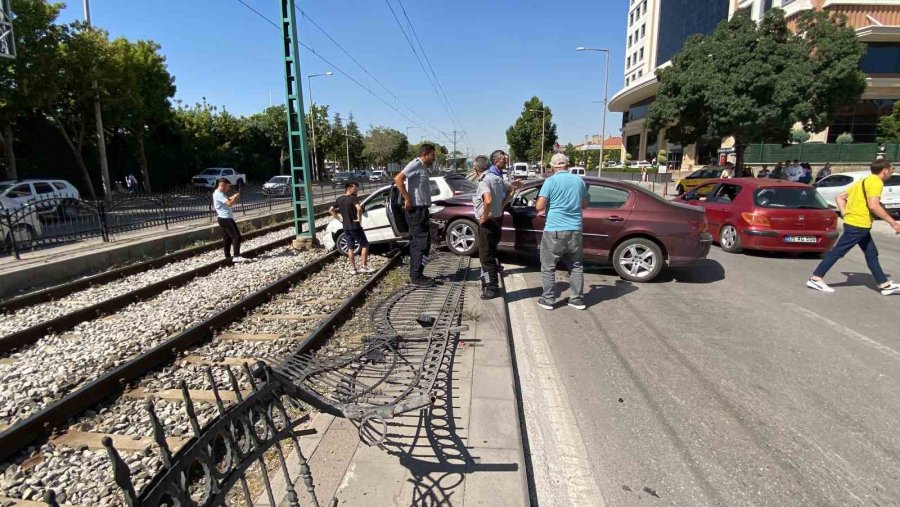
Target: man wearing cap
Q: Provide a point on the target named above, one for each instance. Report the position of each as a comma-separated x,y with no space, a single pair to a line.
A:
489,201
563,196
231,235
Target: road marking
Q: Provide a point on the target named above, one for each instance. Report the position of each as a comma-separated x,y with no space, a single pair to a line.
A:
554,437
884,349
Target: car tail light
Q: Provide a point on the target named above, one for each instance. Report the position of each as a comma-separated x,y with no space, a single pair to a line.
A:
756,219
700,226
456,192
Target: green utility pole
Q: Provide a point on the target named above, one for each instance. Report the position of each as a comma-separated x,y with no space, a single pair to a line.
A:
296,126
7,40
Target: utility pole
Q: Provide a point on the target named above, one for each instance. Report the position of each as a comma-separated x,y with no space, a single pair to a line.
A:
98,118
605,105
543,112
312,111
347,138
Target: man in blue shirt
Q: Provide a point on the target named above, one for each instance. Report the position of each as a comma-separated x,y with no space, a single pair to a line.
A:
563,196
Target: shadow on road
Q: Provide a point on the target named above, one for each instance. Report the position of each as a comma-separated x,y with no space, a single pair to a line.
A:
858,280
705,271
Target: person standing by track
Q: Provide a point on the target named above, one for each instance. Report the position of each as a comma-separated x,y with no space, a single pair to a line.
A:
416,201
489,201
231,235
351,212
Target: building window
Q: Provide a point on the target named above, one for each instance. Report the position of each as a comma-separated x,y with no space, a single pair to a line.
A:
861,120
629,41
881,58
631,19
627,80
633,146
628,62
643,29
641,59
640,73
679,19
644,7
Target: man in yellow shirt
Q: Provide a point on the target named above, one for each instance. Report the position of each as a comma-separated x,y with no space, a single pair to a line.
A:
857,205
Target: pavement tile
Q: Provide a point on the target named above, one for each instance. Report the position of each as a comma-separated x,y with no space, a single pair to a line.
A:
464,360
441,487
492,321
371,484
494,424
331,458
497,479
492,353
494,382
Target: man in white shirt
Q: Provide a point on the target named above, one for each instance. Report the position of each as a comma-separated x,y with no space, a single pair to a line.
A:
794,172
231,235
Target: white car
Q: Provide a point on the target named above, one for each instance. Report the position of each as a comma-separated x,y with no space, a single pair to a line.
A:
26,224
378,175
577,170
54,192
643,164
832,186
207,178
375,222
277,186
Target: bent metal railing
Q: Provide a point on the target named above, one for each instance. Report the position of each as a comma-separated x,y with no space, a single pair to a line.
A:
237,457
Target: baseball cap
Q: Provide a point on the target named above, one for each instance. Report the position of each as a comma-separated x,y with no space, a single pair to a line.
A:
559,160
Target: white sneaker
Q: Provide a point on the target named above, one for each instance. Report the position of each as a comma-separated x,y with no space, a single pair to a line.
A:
367,269
893,288
819,285
354,271
238,258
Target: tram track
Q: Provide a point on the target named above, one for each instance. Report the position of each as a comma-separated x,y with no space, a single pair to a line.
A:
308,303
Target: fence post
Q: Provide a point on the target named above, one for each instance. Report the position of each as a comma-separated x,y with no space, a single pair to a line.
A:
104,227
165,212
12,237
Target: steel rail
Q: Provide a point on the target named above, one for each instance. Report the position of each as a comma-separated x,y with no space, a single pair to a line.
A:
45,422
34,333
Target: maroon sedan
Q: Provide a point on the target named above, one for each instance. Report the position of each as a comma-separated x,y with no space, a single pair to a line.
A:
633,229
764,214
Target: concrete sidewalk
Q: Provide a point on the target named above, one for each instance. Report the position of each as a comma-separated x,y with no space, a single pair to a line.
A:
464,451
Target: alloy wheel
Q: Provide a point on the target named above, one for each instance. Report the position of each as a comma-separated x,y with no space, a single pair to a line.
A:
639,261
462,237
728,238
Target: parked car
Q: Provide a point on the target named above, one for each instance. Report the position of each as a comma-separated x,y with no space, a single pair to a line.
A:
578,171
764,214
56,193
378,175
520,170
832,186
375,221
613,164
277,186
207,178
531,173
643,164
635,230
26,226
697,178
340,178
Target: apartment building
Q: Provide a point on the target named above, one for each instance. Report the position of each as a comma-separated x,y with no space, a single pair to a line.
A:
670,22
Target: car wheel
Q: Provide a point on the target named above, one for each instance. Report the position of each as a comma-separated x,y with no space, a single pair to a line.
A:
22,234
730,240
342,244
638,260
462,237
679,190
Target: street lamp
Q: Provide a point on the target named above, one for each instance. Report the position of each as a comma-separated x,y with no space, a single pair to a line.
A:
313,122
605,106
543,126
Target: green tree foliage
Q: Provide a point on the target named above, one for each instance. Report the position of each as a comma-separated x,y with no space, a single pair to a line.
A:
442,154
755,81
357,144
384,145
524,136
798,135
844,138
270,124
26,80
889,126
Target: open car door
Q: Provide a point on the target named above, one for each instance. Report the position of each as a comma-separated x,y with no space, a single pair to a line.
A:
395,213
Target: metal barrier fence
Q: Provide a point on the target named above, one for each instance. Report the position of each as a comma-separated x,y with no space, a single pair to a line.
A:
818,153
60,219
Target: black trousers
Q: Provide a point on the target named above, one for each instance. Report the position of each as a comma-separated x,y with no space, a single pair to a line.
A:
231,236
488,239
419,221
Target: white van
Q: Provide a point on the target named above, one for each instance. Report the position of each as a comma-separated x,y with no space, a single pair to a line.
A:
520,170
577,171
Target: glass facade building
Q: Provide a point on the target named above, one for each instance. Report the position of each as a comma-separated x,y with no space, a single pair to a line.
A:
679,19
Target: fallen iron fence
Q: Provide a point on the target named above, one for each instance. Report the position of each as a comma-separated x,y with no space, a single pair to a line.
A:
56,219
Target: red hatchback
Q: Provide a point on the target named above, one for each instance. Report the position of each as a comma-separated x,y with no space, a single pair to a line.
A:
764,214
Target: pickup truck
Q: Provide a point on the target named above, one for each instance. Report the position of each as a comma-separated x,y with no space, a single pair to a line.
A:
207,178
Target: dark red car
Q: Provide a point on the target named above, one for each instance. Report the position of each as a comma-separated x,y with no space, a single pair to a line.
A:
633,229
764,214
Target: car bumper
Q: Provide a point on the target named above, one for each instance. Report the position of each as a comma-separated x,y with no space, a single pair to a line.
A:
689,254
774,240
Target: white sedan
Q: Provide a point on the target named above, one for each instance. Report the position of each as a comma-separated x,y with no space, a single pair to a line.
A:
832,186
375,222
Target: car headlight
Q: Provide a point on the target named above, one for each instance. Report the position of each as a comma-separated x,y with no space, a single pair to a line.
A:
436,209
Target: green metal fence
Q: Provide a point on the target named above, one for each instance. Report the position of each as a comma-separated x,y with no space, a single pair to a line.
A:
818,153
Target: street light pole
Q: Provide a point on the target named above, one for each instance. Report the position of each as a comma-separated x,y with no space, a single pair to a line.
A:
543,129
98,119
605,106
312,105
347,138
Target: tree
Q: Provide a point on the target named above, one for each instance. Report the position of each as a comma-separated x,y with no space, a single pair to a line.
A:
525,135
798,135
889,126
356,143
144,88
754,82
845,138
319,136
271,125
26,80
384,145
335,144
442,154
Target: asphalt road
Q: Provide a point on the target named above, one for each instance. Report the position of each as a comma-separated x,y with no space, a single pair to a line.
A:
729,383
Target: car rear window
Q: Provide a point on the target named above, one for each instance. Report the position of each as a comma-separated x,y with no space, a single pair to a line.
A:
789,198
59,185
461,186
894,181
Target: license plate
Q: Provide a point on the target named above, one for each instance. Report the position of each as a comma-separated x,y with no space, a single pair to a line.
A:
892,205
800,239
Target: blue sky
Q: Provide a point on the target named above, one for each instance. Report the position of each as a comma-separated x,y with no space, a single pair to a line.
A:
490,56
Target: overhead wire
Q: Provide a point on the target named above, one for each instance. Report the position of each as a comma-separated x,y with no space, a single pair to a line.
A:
337,68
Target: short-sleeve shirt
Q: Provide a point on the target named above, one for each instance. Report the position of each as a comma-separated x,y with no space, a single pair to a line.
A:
417,183
857,212
566,192
346,205
223,210
493,184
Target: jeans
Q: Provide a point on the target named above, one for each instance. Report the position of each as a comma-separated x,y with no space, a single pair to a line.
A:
231,236
565,245
488,239
419,222
854,236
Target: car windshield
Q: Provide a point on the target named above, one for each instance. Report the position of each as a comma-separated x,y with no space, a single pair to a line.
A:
789,198
462,186
211,172
894,181
4,188
342,175
279,179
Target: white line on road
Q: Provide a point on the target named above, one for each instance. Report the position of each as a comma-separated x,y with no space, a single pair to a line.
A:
884,349
563,475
